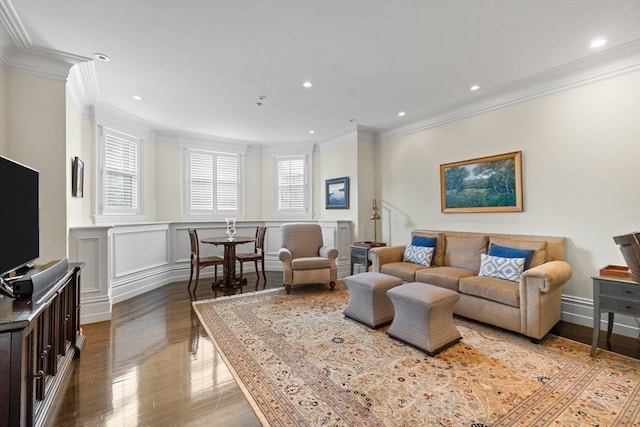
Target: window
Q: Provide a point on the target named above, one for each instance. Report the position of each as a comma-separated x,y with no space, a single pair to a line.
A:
292,185
121,178
213,183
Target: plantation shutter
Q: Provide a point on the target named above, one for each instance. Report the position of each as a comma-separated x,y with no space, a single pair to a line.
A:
291,184
121,171
201,189
227,183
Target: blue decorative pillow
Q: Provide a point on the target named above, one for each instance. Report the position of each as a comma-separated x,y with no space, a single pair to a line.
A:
429,242
418,255
506,252
501,268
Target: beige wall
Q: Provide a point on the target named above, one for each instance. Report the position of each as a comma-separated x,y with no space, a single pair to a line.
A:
580,150
36,136
338,158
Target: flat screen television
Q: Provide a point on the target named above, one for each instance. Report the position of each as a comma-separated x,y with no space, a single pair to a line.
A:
19,216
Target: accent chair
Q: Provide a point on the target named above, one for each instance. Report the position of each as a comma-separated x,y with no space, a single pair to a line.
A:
304,257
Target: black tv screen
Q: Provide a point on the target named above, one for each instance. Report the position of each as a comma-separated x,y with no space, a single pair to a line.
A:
19,220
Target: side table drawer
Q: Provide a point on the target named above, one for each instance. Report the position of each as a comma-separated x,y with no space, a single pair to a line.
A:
618,305
622,291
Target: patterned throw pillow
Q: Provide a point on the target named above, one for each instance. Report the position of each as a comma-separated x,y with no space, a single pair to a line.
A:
501,268
507,252
418,255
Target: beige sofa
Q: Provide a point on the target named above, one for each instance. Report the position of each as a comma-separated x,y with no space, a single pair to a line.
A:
530,307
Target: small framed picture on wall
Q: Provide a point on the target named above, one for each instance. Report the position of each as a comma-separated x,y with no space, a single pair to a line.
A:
77,177
337,193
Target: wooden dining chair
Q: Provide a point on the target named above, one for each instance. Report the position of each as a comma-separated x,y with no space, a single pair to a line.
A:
256,255
198,262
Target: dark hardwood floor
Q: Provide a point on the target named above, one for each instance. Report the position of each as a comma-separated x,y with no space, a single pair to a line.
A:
154,365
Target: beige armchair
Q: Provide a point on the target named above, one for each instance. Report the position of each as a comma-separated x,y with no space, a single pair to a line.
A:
304,258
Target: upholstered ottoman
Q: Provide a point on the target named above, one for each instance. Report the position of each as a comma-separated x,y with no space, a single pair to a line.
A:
368,300
424,316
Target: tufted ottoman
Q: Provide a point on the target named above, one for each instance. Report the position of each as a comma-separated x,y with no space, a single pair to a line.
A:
424,316
368,300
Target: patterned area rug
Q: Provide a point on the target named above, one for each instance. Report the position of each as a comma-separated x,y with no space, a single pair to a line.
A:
300,362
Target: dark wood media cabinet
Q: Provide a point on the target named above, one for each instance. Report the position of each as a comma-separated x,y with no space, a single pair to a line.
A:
39,338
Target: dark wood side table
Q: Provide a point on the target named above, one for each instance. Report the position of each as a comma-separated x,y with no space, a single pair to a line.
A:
360,253
613,295
229,282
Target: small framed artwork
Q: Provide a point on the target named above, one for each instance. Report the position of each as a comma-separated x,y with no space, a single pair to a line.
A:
337,193
77,177
486,184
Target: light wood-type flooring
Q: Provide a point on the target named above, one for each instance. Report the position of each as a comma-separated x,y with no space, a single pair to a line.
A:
154,365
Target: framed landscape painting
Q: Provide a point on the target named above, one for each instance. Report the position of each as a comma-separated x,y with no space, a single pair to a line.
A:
337,193
486,184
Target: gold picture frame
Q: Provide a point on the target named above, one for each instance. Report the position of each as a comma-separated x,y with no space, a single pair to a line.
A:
485,184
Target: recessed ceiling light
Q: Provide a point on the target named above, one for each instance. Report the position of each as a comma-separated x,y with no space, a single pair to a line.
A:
312,132
597,43
474,87
401,113
137,97
307,84
101,57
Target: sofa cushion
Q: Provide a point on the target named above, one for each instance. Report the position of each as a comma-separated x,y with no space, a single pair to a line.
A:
507,252
501,267
403,270
464,252
539,255
490,288
438,255
429,242
445,277
418,255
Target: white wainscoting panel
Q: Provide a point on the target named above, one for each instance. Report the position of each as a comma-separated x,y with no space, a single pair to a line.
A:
140,248
122,261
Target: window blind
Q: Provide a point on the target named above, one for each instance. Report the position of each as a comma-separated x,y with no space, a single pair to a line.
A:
213,182
201,165
121,171
227,183
291,184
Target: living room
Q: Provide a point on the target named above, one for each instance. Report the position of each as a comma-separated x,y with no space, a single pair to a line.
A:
578,133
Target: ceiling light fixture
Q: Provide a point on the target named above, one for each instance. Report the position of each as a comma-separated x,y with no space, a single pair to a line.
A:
474,87
307,84
312,132
101,57
401,113
137,97
260,99
598,43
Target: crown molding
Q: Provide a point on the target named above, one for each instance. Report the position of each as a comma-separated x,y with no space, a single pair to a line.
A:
83,83
619,60
10,20
20,54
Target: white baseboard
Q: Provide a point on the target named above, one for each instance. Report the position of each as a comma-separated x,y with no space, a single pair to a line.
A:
580,311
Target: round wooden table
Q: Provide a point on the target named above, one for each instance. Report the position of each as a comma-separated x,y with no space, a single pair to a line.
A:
229,282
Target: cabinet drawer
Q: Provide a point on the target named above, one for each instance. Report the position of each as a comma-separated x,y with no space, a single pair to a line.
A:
620,290
618,305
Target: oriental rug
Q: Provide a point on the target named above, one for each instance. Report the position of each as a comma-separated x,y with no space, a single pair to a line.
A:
300,362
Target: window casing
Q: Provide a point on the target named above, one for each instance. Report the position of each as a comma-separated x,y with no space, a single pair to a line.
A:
292,190
120,180
212,183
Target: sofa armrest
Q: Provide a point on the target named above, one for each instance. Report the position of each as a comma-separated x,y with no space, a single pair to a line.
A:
328,252
553,274
385,254
285,256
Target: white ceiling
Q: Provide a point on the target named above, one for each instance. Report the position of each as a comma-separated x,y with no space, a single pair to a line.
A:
201,65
